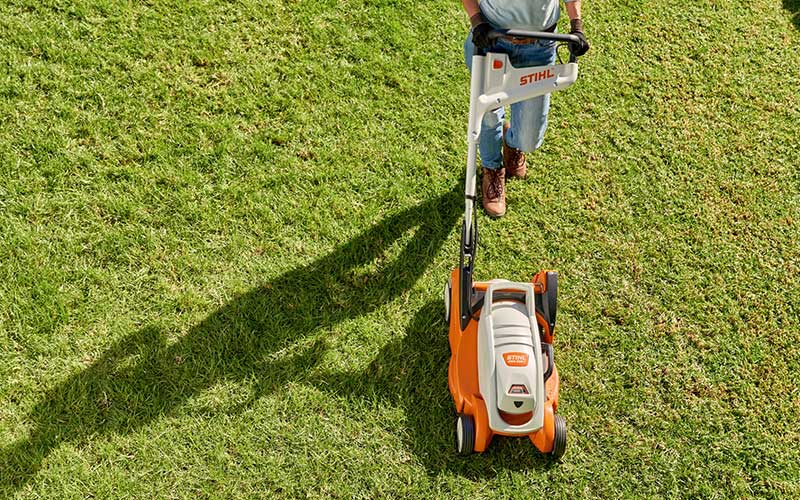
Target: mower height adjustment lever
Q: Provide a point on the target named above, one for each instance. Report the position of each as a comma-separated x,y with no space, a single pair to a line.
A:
548,350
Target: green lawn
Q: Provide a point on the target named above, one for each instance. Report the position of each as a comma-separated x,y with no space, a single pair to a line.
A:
225,227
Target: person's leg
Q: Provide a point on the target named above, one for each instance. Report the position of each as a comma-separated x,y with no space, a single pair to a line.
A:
493,195
491,139
529,118
529,121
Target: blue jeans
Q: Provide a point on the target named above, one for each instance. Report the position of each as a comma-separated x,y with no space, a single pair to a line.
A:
528,118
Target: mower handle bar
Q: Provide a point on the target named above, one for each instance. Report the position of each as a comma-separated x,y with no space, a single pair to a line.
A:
543,35
494,35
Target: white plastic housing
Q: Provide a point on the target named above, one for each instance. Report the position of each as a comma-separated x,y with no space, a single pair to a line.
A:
510,359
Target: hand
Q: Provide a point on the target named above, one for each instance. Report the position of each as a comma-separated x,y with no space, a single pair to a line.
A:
480,31
582,46
480,35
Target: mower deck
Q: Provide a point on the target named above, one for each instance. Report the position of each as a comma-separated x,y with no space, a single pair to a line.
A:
474,434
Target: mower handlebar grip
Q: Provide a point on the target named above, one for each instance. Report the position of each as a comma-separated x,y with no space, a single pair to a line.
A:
542,35
494,35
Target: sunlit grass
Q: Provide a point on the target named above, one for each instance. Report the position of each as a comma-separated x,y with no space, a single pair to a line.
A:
225,227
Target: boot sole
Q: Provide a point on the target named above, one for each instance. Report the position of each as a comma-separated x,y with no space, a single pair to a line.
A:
494,216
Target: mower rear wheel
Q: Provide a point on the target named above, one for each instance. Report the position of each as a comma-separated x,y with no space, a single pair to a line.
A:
560,437
465,435
446,293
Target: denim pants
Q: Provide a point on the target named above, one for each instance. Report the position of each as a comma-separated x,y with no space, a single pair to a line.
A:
528,118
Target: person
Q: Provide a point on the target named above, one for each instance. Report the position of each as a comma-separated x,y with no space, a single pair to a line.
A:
503,146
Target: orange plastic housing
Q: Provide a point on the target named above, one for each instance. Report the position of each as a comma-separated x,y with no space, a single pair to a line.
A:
463,373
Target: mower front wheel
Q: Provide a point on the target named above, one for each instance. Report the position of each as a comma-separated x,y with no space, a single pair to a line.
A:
560,437
465,435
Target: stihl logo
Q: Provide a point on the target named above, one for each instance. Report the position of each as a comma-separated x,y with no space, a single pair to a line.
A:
535,77
516,358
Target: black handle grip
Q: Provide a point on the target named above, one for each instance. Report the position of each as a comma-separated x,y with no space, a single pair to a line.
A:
541,35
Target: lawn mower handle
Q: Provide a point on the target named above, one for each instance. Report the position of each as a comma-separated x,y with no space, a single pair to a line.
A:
494,35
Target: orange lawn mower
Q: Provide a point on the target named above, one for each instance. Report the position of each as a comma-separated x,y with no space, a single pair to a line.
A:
502,374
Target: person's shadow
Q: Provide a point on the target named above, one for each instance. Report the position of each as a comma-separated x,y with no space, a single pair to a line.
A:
142,377
793,6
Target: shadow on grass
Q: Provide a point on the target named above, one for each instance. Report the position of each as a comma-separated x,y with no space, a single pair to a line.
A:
793,6
411,373
142,377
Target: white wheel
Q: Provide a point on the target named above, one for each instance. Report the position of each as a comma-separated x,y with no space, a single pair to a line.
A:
446,296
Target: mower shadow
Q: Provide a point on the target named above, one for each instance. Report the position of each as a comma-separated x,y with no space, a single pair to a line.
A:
411,373
143,377
793,6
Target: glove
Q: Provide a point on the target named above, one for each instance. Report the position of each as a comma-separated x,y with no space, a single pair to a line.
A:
582,46
480,32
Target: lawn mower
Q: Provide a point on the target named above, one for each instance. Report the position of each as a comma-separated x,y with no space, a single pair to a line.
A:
502,374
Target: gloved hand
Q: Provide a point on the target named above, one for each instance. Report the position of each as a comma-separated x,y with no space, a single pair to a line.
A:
480,31
581,47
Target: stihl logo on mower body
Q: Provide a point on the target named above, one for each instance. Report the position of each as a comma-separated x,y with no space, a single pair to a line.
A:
516,358
535,77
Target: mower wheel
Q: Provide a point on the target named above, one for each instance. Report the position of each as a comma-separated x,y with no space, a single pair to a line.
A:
446,293
465,435
552,297
560,437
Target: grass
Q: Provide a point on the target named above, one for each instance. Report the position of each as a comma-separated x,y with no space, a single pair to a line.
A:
225,227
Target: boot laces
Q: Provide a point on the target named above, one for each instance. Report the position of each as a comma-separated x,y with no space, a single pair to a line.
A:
516,158
495,188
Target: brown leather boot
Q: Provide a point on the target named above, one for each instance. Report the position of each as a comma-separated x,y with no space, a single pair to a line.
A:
493,191
513,159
